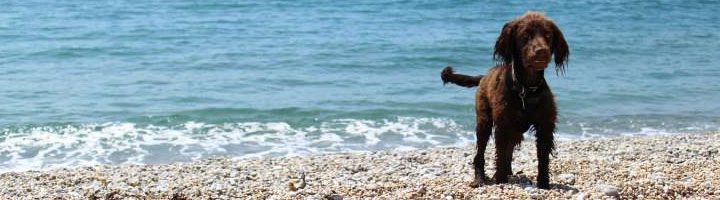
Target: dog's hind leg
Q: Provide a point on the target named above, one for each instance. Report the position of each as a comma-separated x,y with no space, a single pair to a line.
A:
483,130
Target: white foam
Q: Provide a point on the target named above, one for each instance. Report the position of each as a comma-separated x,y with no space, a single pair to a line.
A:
41,148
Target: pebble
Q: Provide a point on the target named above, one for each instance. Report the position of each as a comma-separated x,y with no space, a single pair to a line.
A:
334,197
627,167
608,190
581,196
567,178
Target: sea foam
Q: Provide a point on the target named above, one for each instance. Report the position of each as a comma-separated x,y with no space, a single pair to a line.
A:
48,147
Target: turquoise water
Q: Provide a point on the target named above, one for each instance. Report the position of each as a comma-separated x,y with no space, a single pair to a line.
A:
157,82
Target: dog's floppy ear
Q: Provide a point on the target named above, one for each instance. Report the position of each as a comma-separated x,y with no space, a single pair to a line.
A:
505,44
560,49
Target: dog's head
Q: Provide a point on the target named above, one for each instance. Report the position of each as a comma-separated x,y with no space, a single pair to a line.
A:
532,39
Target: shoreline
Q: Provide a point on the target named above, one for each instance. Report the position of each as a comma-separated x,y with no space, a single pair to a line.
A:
624,166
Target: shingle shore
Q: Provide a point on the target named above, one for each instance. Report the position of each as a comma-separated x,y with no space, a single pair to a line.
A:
649,167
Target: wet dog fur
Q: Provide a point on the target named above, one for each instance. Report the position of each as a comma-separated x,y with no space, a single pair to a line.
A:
513,96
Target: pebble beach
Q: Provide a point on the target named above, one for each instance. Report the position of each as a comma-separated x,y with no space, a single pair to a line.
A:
343,99
630,167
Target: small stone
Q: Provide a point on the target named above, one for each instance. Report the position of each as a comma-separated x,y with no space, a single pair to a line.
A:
687,179
581,196
608,190
567,178
333,197
533,192
422,191
291,186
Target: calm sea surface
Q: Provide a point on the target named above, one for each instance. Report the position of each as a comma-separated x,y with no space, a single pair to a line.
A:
89,83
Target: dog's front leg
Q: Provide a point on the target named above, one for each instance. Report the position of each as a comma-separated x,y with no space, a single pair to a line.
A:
505,141
545,145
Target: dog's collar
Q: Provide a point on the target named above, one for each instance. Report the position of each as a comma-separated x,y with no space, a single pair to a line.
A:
527,94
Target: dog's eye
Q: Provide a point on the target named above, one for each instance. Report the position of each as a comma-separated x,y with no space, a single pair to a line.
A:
526,37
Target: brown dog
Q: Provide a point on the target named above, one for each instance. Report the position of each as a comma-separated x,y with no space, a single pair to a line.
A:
513,96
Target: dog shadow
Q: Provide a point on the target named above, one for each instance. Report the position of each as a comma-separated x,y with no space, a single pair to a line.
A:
524,181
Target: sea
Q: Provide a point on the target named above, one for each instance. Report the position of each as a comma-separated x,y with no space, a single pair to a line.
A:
85,83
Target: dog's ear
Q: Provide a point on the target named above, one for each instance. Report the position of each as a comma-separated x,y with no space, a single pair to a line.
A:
560,49
505,44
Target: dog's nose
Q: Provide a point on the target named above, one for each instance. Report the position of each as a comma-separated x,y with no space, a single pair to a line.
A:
542,53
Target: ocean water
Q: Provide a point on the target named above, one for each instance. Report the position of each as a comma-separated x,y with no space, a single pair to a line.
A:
148,82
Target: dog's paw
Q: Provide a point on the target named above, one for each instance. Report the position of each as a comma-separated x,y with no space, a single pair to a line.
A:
477,182
544,186
543,182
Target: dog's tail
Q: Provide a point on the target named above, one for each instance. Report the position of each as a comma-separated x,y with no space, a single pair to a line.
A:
449,75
